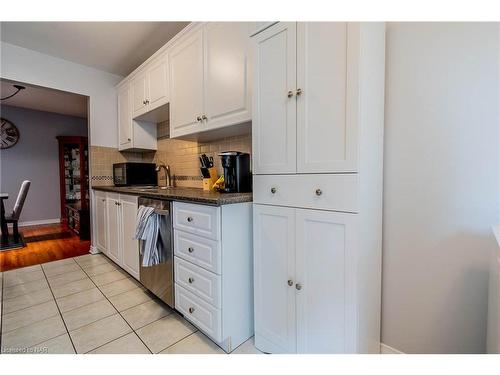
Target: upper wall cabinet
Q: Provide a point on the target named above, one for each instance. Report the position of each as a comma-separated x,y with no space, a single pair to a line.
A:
305,84
210,79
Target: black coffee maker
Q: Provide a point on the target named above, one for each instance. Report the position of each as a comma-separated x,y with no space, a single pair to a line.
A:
237,174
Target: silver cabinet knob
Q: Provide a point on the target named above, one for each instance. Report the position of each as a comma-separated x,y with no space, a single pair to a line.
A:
289,93
147,101
191,280
104,200
189,219
129,139
298,286
204,117
144,102
190,249
318,192
299,92
191,310
198,118
273,190
290,282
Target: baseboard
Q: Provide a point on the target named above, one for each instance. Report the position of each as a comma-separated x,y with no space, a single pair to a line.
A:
386,349
39,222
94,250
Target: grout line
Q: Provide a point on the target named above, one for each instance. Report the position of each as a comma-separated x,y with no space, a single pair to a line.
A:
60,314
125,320
178,341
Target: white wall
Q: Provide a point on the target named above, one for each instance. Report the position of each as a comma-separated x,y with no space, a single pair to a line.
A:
36,158
32,67
441,192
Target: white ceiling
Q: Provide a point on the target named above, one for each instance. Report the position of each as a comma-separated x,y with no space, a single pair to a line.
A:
114,47
44,99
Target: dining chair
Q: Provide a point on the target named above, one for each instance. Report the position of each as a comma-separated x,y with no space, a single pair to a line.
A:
18,206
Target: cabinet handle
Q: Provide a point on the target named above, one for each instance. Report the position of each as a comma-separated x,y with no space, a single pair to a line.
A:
129,139
318,192
198,118
147,101
298,286
299,92
191,310
204,117
289,93
104,200
144,102
191,280
273,190
189,219
290,282
190,249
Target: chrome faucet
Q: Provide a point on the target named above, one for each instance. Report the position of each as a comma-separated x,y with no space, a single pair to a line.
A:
168,178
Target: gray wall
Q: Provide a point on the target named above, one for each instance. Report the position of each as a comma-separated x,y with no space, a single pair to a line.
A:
441,192
36,158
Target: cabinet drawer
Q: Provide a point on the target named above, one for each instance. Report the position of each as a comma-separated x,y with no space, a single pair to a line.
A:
335,192
206,317
202,283
198,219
201,251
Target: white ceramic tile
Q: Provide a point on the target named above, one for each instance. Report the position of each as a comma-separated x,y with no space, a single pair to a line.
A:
165,332
96,334
80,299
57,345
66,278
22,289
72,287
128,344
87,314
91,260
197,343
12,278
118,287
28,316
27,300
52,272
58,263
109,277
36,267
145,313
101,268
33,334
130,299
248,347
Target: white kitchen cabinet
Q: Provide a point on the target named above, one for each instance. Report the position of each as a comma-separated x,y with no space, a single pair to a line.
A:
228,96
210,79
113,227
213,270
130,246
274,290
116,221
274,103
139,94
324,95
186,85
101,221
124,118
318,186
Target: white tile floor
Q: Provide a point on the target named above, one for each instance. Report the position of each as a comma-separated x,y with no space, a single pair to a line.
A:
88,304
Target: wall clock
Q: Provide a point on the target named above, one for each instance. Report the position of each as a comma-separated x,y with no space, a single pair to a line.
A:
9,134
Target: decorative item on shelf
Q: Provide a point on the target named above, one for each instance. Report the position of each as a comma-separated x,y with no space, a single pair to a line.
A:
9,134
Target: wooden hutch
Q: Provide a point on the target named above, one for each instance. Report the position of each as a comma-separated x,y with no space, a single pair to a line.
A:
74,184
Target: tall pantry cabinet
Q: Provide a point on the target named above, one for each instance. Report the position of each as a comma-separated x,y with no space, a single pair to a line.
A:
317,161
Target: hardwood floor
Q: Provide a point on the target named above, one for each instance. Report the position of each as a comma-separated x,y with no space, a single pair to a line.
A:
46,250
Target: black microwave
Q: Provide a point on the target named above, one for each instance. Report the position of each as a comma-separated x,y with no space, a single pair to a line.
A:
129,174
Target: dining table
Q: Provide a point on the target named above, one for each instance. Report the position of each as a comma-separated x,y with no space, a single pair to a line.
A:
5,229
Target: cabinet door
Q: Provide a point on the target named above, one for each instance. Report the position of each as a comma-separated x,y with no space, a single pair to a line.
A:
323,241
274,104
113,227
158,83
274,269
327,140
124,118
227,76
139,94
130,259
101,222
186,85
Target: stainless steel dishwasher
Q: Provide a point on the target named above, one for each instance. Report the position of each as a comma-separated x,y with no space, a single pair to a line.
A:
159,279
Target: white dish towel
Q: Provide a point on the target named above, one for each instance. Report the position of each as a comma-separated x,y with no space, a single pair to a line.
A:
147,231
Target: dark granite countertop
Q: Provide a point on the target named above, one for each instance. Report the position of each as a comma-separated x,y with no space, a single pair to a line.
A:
183,194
